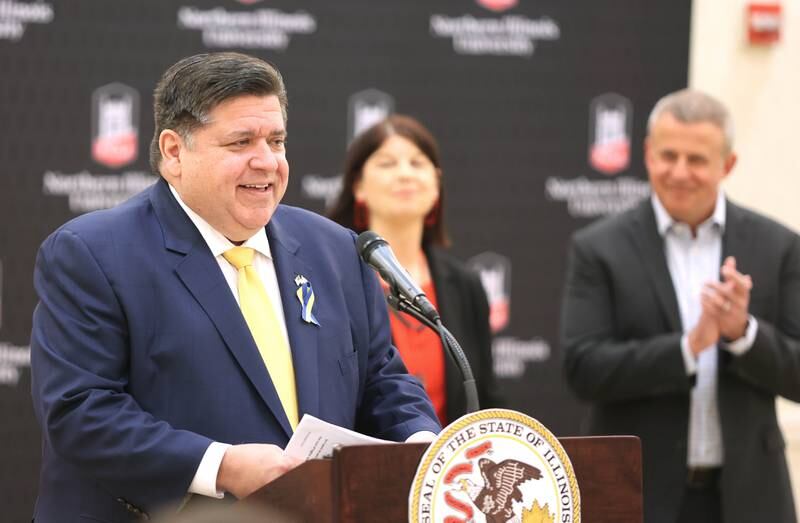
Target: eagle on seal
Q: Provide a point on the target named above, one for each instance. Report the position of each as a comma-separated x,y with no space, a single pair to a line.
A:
500,488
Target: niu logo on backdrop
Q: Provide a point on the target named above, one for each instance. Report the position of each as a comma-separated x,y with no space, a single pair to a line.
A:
495,273
497,5
115,125
366,108
610,133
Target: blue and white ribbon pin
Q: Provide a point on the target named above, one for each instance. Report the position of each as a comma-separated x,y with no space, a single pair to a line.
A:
306,296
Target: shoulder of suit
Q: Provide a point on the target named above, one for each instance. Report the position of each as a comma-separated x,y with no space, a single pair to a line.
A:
613,225
304,219
760,223
445,264
106,221
442,258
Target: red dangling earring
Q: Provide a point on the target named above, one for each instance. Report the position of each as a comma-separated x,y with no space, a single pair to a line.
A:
360,216
432,216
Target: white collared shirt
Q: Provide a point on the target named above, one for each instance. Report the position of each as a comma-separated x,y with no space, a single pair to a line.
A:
694,260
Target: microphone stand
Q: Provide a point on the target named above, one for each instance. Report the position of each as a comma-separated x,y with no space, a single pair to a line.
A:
401,304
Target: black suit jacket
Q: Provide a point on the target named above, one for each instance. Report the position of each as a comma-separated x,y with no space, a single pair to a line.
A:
621,332
465,312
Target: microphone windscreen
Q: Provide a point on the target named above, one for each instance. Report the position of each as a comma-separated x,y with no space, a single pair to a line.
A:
366,242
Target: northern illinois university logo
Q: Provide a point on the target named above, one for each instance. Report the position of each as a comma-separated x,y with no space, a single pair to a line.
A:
495,466
498,5
115,125
495,274
610,133
366,108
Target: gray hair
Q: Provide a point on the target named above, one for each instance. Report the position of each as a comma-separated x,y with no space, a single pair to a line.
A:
189,90
691,106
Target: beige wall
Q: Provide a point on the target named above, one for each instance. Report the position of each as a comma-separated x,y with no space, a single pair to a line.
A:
761,86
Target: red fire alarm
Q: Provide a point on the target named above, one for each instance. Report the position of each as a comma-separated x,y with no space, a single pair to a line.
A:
764,23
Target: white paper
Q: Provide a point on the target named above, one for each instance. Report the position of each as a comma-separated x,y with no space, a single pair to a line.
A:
314,438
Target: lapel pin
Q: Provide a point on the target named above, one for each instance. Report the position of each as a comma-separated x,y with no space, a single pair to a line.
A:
305,293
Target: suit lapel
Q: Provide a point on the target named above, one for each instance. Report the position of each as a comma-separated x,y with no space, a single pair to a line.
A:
738,243
650,246
735,240
209,288
303,336
200,273
445,286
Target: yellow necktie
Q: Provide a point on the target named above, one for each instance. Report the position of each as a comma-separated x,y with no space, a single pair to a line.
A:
263,322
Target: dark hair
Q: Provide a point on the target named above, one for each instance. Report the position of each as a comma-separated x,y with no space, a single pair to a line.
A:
363,146
189,90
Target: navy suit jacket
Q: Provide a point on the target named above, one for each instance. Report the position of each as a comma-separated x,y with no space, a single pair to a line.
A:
141,357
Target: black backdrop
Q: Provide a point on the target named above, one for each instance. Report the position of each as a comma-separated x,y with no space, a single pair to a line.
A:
540,108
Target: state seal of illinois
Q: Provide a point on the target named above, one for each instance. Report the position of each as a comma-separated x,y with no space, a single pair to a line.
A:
495,466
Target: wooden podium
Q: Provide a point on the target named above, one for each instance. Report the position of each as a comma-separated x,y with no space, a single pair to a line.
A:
371,483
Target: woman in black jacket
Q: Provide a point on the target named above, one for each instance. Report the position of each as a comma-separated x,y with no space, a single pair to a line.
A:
392,185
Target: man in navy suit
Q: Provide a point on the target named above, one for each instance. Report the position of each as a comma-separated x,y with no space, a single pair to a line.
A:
146,379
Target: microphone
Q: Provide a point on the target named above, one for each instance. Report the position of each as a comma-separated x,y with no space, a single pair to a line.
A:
375,251
450,343
407,297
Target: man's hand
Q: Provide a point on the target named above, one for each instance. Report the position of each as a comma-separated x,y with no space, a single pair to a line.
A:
706,333
736,289
724,308
730,300
246,468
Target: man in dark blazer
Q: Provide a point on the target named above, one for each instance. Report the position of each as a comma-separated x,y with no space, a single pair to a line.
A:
146,379
681,324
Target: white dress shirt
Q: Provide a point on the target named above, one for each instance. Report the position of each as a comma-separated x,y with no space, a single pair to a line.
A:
694,260
205,478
